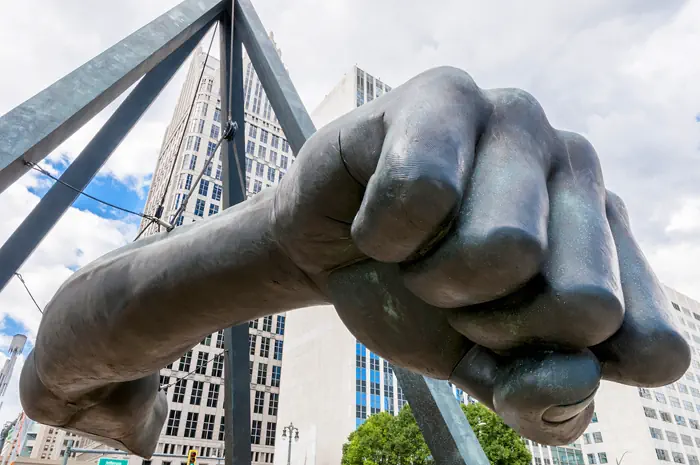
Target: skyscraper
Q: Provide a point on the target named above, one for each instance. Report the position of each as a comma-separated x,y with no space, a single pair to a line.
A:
193,383
16,348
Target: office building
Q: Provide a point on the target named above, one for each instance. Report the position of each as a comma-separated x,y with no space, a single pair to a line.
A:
194,382
16,348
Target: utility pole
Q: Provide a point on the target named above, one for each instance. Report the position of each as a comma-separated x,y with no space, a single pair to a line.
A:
293,431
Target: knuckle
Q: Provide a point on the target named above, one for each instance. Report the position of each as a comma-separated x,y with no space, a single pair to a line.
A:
517,103
577,153
597,312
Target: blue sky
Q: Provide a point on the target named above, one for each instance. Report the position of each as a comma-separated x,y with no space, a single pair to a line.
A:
103,187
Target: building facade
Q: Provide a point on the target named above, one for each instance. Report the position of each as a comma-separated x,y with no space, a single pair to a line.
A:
194,382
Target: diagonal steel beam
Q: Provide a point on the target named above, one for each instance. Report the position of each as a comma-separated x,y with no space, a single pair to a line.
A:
39,125
56,201
285,100
441,420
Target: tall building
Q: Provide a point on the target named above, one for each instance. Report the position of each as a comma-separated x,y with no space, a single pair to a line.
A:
16,348
193,383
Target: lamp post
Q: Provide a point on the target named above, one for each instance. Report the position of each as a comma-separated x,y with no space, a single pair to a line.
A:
619,461
293,431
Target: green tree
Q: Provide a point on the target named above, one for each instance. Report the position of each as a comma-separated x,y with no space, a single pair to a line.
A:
387,440
501,444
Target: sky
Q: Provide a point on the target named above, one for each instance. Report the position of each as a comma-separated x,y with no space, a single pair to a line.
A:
625,74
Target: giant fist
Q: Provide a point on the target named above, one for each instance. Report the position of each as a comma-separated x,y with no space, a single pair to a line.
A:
454,230
460,235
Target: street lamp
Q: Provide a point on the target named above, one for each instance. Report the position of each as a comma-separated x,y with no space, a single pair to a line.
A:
293,431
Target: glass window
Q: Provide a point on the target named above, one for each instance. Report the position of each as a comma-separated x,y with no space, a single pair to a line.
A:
259,402
680,420
179,391
255,431
199,207
213,396
204,187
273,404
276,375
267,324
250,147
211,146
215,131
208,427
173,423
262,152
675,401
592,459
278,349
650,412
662,454
597,437
678,457
191,424
671,436
202,362
665,416
217,115
262,373
265,347
185,361
196,395
213,209
656,433
216,192
270,433
271,172
217,365
283,162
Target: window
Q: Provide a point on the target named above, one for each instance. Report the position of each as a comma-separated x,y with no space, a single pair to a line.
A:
250,147
216,192
267,324
686,440
188,181
271,172
671,436
259,169
273,157
597,437
248,165
208,427
273,403
688,406
253,324
211,146
213,397
680,420
185,361
206,341
283,162
179,221
270,433
682,388
202,361
191,424
650,412
602,457
675,401
265,347
694,392
251,343
361,411
220,340
644,392
678,457
199,207
263,135
278,350
218,172
586,438
215,131
262,373
213,209
193,143
179,391
594,419
196,395
259,403
665,416
693,423
285,146
280,324
373,362
276,375
591,458
217,366
173,423
217,115
203,187
693,460
275,142
255,431
656,433
697,442
662,454
222,428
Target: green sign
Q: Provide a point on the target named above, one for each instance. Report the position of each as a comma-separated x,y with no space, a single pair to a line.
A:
108,461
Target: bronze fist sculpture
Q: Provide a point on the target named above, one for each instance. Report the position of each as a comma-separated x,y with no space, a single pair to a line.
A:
455,231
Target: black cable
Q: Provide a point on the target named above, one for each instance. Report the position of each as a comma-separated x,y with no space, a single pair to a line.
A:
144,230
187,122
166,386
21,279
75,189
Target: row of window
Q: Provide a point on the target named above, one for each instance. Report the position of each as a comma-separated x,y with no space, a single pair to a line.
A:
668,418
671,436
266,324
674,401
207,430
601,457
270,157
203,361
274,141
663,454
272,404
265,346
597,438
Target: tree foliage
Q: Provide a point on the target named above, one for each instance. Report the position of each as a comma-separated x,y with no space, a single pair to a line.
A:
387,440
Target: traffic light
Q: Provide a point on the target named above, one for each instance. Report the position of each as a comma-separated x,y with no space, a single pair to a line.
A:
192,457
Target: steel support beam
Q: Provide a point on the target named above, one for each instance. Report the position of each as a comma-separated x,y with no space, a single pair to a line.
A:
39,125
280,91
441,420
236,362
59,198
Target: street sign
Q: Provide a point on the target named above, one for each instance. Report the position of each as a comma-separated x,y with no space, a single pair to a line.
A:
110,461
